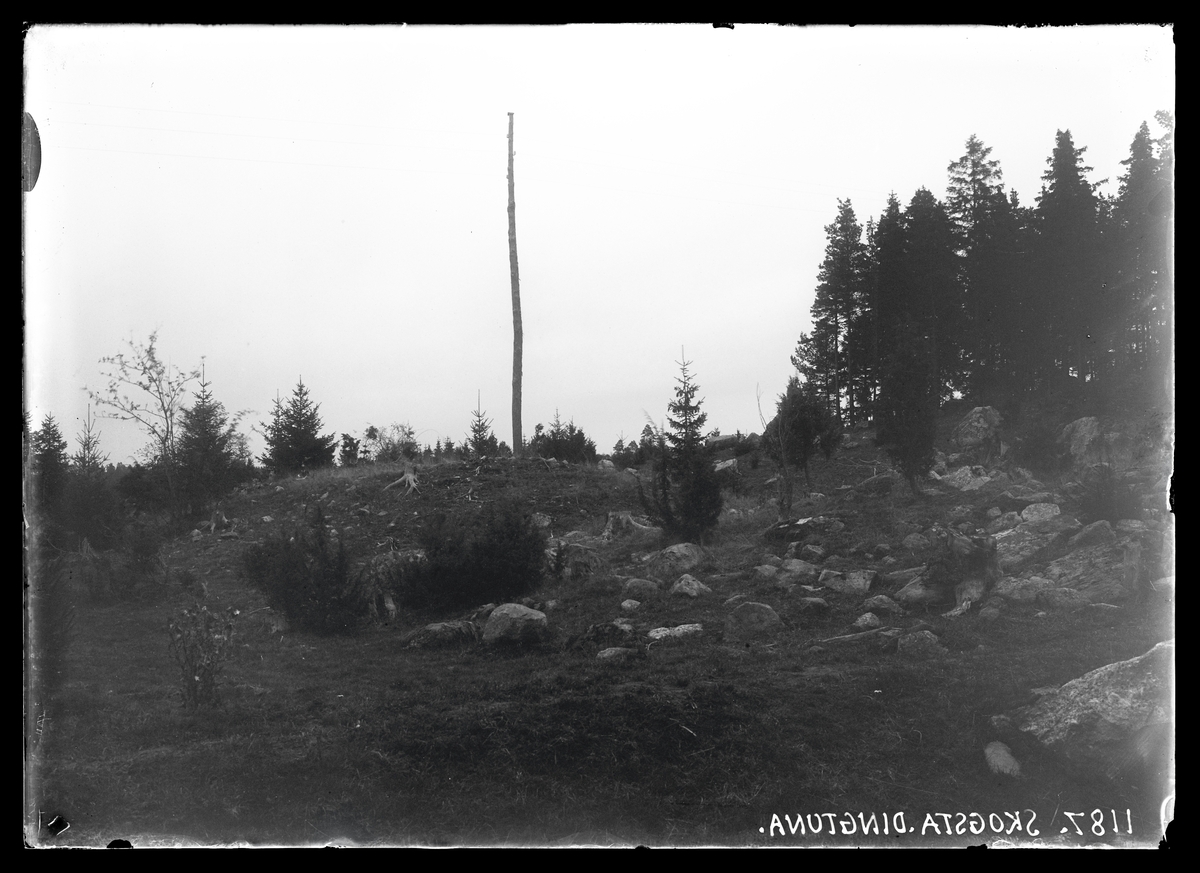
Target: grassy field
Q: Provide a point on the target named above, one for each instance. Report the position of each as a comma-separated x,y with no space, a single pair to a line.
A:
696,741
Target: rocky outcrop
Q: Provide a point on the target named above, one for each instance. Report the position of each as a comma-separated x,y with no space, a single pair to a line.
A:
1034,541
978,430
1114,720
442,634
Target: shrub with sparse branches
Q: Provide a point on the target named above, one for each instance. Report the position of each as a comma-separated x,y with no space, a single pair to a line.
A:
201,642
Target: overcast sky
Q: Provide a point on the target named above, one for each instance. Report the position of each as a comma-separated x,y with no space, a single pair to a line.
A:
331,203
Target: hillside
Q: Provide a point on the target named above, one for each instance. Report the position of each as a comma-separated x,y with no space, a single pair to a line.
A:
703,738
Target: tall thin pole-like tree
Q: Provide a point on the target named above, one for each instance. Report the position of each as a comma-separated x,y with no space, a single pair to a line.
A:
518,334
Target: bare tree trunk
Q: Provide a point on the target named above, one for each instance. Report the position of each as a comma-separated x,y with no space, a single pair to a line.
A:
518,334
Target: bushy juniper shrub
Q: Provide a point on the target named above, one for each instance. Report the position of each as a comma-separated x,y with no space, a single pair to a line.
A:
201,642
494,555
308,578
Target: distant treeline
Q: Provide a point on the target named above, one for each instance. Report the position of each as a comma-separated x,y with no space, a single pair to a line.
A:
1072,296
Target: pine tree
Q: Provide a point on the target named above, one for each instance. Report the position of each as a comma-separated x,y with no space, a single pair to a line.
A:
348,456
293,437
838,299
932,298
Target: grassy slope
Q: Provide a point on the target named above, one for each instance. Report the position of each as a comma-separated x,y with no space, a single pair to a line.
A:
700,742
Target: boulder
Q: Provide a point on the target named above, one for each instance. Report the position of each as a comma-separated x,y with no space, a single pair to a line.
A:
1087,444
812,553
1039,511
1113,720
922,644
1104,573
641,589
727,468
541,521
1062,599
978,429
1033,541
689,586
814,604
676,559
442,634
609,633
514,623
867,620
630,605
751,621
915,542
724,441
605,464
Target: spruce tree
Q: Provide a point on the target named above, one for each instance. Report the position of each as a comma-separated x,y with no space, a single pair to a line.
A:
687,494
906,414
802,427
49,466
206,451
293,437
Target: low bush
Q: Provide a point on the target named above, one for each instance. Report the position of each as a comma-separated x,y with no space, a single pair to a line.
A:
308,579
200,642
496,555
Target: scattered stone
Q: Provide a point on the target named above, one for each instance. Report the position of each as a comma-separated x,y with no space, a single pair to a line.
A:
1105,573
989,614
630,605
915,542
608,633
1000,760
853,582
812,553
752,620
813,604
689,586
278,488
967,478
616,654
920,590
867,620
267,519
796,570
883,603
772,560
626,524
683,630
729,468
922,644
606,464
764,573
1006,521
512,622
1021,590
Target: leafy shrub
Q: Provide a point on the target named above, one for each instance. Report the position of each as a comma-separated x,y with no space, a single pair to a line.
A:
497,555
309,580
200,642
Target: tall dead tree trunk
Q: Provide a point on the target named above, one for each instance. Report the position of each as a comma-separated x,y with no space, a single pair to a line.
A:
518,334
